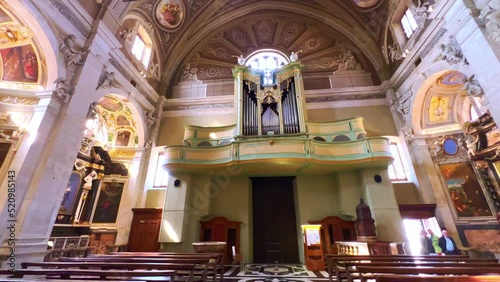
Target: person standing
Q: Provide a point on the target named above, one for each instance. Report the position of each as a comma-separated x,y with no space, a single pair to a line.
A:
447,244
435,241
425,244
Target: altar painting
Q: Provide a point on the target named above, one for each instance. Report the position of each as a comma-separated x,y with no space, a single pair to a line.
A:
108,203
70,194
20,64
464,190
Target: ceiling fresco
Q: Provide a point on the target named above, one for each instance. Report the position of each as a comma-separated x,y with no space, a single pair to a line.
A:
206,34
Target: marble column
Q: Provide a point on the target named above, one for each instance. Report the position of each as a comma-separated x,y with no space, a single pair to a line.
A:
430,187
384,207
482,54
152,135
53,153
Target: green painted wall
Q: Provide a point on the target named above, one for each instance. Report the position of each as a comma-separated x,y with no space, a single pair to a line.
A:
315,199
378,120
234,203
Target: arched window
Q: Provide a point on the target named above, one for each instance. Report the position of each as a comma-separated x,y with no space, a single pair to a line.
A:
142,47
267,61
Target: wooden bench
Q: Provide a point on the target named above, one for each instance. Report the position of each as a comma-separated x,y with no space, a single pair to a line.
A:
352,271
203,269
185,272
134,275
217,257
436,278
334,269
370,272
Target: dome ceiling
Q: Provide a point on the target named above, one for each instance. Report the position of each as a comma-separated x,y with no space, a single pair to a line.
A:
207,34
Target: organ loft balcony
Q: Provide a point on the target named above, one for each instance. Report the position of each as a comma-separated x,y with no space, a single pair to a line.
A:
325,148
271,134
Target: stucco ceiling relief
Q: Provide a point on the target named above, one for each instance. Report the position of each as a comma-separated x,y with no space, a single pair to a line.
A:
240,37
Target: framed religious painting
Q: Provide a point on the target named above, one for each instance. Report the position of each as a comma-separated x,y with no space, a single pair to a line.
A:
465,191
108,201
70,194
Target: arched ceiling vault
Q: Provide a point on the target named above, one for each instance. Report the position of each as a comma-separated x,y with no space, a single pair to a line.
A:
338,21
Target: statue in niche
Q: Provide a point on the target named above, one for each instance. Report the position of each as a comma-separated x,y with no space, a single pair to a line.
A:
70,54
365,225
347,61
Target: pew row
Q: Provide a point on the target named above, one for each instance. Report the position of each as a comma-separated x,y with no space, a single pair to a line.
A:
437,278
352,272
334,269
371,272
204,267
184,272
135,275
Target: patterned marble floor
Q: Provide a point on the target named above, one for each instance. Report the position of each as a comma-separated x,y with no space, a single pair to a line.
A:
274,273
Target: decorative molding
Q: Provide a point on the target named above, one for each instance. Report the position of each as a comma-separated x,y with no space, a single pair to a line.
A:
433,42
70,54
290,32
64,90
439,156
122,153
335,98
215,72
239,37
66,12
199,107
8,99
322,63
452,53
490,14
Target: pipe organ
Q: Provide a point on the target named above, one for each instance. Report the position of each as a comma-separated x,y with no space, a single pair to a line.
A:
270,104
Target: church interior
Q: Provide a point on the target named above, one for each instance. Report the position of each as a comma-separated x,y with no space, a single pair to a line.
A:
282,131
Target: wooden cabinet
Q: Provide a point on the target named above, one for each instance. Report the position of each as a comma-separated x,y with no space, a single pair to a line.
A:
334,229
145,230
313,249
222,230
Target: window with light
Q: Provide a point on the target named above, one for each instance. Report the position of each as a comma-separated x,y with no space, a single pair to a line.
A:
161,176
396,169
267,62
409,23
142,47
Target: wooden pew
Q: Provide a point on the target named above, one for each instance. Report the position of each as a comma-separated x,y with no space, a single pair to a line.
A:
339,272
205,267
141,275
370,272
189,269
218,257
352,271
436,278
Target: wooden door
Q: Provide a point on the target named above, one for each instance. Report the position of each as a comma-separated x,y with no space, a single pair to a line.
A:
145,230
274,225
